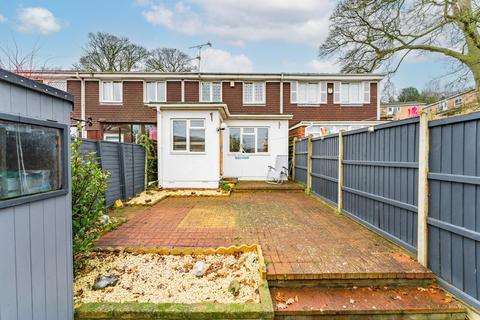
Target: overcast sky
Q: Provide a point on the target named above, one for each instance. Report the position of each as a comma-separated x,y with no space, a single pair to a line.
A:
247,35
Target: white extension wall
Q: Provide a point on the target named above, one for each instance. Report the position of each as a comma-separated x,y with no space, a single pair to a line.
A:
253,166
188,170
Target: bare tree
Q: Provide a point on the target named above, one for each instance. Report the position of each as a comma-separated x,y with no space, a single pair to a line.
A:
369,34
168,60
107,52
14,59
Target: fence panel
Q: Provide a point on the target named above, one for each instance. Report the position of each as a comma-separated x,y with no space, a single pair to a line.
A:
454,204
325,168
381,179
126,164
301,154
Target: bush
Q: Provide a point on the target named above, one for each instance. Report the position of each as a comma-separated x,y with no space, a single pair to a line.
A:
151,153
89,183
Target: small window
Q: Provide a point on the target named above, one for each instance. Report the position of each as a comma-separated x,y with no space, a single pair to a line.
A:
188,135
248,140
57,84
308,92
254,92
30,159
111,91
457,102
353,93
442,106
155,91
211,92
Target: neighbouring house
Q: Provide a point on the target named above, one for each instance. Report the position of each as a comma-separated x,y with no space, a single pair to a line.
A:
400,110
452,102
214,125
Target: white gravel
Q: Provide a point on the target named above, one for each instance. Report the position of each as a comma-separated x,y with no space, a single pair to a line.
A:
159,278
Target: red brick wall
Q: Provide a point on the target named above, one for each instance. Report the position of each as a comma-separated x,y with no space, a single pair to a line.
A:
191,91
174,91
233,97
297,132
74,88
330,111
132,110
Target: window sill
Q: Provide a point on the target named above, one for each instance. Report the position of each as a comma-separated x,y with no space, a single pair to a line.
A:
254,104
147,102
111,103
351,105
184,153
233,154
308,105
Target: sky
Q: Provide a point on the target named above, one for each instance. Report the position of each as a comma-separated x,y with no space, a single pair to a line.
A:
246,35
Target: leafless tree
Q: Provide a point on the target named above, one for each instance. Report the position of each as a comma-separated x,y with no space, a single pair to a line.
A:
107,52
168,60
369,34
14,59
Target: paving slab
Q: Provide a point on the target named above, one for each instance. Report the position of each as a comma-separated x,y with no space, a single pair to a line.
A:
301,237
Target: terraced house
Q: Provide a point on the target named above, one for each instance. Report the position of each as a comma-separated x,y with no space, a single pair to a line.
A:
212,125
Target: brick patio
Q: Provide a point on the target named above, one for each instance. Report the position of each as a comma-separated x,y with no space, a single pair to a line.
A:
301,236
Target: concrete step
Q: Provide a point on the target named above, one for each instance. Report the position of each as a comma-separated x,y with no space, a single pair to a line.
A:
383,303
256,186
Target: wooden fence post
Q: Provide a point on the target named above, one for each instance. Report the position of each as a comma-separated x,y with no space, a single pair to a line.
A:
423,152
309,164
293,158
340,171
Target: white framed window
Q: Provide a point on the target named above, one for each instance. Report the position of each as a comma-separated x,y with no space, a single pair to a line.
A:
393,110
355,93
308,93
114,137
254,93
248,140
57,84
457,102
210,92
111,91
188,135
442,105
155,91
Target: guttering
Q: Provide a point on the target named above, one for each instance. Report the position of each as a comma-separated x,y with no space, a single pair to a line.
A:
82,104
221,107
215,76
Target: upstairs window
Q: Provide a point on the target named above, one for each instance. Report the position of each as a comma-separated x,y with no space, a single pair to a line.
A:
188,135
155,91
254,93
210,92
442,105
457,102
248,140
308,92
352,92
111,91
57,84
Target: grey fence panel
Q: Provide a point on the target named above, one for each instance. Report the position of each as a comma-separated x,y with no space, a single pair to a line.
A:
381,179
325,167
301,154
126,164
454,204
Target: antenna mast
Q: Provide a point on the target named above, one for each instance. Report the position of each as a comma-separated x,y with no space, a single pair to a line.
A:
199,56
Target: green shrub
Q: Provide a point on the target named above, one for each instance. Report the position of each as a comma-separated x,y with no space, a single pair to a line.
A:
89,183
151,151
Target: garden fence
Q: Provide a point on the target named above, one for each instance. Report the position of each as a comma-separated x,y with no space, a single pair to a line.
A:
416,182
126,164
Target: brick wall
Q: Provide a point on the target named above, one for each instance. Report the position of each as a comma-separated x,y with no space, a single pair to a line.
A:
330,111
297,132
174,91
191,91
75,89
233,97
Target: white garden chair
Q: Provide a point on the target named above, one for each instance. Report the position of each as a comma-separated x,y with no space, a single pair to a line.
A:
279,173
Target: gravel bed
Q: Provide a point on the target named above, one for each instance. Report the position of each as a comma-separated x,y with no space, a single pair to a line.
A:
159,278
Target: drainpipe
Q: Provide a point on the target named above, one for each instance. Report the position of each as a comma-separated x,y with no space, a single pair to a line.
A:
82,105
159,148
281,93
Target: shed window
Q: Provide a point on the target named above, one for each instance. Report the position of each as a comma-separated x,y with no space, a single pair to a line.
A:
30,159
188,135
248,140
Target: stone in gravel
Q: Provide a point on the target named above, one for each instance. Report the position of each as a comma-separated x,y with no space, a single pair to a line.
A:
104,219
104,281
234,288
199,268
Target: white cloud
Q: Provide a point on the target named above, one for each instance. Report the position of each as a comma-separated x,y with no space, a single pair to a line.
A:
2,18
38,21
215,60
298,21
323,66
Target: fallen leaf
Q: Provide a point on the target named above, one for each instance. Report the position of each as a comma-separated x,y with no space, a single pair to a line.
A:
352,301
279,297
290,301
282,306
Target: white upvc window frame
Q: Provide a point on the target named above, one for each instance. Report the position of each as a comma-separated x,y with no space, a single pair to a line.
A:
102,99
113,135
210,97
363,96
60,84
320,95
254,102
255,134
457,102
145,93
442,105
188,129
